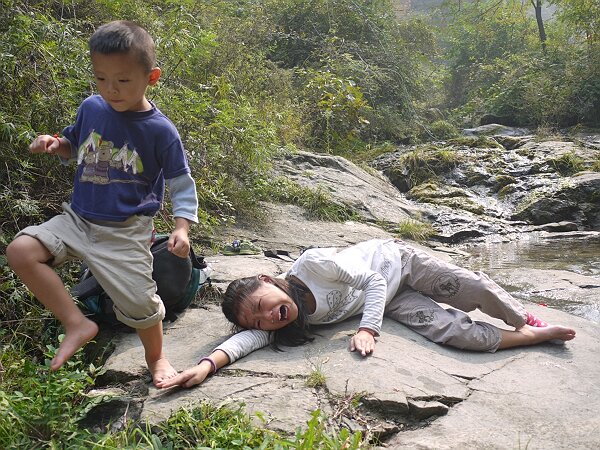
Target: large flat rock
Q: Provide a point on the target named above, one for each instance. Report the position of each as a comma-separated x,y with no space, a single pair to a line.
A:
546,396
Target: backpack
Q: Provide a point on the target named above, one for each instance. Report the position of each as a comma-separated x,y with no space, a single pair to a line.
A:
178,280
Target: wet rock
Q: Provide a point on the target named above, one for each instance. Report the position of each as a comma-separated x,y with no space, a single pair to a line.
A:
557,227
527,181
577,200
495,129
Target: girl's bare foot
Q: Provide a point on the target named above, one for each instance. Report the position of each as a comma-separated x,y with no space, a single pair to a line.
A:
528,335
161,370
548,333
76,336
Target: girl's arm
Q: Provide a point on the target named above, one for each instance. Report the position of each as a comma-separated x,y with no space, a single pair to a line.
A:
197,374
374,288
234,348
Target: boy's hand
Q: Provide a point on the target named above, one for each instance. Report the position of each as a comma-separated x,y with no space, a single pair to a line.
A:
179,242
363,342
45,144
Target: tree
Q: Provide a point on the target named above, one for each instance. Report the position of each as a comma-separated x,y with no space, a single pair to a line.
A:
537,6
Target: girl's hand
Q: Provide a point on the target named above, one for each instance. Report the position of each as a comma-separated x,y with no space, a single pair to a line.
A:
189,377
363,342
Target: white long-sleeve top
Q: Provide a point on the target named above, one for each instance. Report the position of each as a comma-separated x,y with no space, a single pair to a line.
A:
345,282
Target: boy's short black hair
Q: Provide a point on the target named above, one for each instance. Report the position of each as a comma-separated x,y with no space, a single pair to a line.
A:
122,36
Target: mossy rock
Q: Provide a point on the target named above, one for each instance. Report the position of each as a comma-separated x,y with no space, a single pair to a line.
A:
462,203
429,190
506,190
476,142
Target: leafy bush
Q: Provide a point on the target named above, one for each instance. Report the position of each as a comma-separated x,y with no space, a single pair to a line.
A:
498,65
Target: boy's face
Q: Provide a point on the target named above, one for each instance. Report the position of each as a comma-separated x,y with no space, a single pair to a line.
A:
122,80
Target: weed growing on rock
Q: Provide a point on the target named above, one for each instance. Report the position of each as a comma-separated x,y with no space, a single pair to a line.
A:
415,230
317,202
568,164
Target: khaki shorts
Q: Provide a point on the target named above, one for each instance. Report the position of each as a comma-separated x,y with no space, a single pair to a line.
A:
117,253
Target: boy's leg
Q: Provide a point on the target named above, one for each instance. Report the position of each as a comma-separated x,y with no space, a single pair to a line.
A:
28,258
152,340
122,264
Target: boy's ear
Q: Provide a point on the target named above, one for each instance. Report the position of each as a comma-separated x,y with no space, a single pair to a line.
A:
154,76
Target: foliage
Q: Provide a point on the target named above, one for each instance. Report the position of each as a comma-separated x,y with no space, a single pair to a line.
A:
596,165
353,44
441,129
424,163
38,406
497,64
568,163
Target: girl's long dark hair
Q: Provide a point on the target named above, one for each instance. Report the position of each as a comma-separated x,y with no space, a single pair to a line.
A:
295,334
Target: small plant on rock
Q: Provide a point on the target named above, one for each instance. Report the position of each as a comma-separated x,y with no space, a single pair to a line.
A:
568,164
415,230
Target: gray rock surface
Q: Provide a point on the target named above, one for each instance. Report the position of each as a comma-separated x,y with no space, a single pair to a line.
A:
420,394
411,393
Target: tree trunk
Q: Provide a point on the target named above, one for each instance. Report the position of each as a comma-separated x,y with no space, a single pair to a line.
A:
537,6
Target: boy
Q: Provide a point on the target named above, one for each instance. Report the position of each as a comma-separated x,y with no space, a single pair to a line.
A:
125,149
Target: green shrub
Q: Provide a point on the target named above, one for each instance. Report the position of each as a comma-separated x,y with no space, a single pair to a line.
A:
425,163
568,164
441,130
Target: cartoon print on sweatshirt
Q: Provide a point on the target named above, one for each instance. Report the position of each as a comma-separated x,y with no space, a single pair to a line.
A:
338,305
101,176
89,167
98,156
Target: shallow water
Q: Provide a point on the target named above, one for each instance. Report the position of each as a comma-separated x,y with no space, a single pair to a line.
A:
575,253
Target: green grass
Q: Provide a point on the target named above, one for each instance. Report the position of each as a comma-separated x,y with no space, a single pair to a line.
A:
568,164
44,409
596,165
317,202
414,230
426,163
316,378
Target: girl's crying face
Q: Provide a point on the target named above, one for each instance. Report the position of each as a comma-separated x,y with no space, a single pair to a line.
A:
268,308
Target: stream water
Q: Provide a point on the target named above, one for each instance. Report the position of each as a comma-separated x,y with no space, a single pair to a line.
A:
578,254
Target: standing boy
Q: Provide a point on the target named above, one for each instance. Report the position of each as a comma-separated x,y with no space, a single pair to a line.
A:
125,148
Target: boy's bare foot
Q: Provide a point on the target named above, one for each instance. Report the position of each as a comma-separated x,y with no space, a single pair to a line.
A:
76,336
161,370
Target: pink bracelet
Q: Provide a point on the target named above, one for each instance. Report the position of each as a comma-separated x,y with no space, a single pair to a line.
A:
212,363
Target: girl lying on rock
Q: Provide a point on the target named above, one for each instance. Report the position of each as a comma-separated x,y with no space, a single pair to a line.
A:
375,278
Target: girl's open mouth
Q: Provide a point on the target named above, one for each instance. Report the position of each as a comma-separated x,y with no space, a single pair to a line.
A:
283,313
